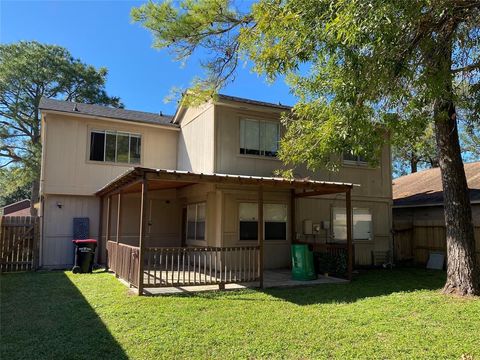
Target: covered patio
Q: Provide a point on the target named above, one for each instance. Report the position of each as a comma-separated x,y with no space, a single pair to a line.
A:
147,259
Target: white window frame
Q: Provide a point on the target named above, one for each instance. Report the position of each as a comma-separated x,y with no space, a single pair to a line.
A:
261,141
116,133
264,221
196,205
354,236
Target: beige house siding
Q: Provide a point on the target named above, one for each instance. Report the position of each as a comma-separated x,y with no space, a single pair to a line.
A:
208,141
196,140
374,181
321,209
66,165
57,214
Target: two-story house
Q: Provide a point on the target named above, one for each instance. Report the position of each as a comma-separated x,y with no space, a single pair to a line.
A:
205,165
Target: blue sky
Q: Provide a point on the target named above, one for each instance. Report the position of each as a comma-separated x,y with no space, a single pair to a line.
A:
101,33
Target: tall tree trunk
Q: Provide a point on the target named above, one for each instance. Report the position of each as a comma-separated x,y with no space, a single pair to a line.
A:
413,163
462,273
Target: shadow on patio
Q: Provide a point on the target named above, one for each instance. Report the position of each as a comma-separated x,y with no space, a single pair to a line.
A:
44,316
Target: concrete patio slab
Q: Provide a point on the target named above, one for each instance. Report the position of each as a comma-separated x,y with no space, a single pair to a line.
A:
272,279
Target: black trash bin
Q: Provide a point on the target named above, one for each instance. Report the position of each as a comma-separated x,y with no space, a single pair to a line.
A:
84,255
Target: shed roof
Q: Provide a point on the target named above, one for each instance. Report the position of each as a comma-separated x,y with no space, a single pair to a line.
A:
176,178
105,111
425,188
19,208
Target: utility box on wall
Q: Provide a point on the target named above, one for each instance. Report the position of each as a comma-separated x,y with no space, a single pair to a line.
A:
307,227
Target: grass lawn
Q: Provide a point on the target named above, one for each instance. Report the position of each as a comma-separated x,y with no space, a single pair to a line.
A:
383,314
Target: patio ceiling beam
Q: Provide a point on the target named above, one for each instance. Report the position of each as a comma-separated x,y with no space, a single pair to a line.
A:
123,186
325,191
241,180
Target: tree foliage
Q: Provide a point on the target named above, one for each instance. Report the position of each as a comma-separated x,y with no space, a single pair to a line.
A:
28,72
15,184
365,73
356,66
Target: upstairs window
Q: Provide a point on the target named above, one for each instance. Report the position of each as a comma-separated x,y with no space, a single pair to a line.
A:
258,137
349,158
116,147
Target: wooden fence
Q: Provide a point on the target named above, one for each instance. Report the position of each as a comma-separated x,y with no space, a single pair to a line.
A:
201,265
19,241
414,241
124,261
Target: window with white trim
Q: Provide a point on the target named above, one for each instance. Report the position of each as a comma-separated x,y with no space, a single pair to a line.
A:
115,146
362,224
274,218
259,137
196,221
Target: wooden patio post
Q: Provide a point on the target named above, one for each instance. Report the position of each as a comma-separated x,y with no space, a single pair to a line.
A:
348,199
142,232
119,214
261,237
107,229
293,224
100,230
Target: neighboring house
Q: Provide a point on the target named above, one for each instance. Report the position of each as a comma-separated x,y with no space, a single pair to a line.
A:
419,196
89,152
20,208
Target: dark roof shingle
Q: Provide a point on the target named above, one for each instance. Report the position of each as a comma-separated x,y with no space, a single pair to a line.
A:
425,187
105,111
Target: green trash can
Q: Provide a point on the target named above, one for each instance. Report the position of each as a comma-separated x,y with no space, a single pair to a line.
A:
303,267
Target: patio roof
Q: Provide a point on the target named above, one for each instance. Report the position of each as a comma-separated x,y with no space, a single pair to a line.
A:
170,179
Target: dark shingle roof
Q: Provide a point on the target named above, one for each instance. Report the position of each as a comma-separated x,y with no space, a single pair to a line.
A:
425,187
253,102
105,111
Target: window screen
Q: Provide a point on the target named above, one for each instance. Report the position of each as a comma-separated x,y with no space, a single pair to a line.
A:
275,221
259,137
196,221
362,224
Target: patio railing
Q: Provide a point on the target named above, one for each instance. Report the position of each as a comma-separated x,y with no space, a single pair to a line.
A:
183,266
123,261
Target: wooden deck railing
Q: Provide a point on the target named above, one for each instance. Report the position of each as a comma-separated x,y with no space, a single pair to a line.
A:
124,261
200,265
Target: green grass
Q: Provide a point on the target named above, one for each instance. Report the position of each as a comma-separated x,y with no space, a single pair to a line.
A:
385,314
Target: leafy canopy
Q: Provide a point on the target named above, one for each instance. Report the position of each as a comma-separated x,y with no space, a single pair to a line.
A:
361,70
28,72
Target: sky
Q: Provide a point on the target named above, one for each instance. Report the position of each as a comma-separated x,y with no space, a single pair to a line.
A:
101,33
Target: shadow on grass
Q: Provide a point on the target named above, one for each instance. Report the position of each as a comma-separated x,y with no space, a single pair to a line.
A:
44,316
367,284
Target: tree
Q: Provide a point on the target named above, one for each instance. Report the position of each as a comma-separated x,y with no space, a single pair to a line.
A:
28,72
15,185
358,68
413,149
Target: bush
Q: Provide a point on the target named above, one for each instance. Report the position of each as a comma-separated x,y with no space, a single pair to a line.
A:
331,263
